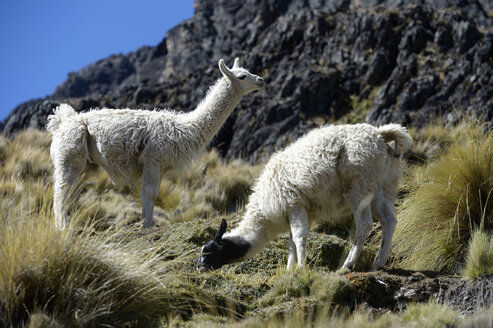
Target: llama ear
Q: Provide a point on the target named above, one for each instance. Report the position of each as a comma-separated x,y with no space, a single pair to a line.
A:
237,63
221,231
224,69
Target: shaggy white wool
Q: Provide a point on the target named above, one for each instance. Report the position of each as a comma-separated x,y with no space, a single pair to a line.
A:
329,173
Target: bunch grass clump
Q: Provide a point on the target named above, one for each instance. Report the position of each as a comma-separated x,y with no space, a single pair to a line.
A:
321,287
479,261
449,198
430,315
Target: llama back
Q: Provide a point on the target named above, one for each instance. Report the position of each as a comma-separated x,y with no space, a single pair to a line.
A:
60,114
321,163
293,175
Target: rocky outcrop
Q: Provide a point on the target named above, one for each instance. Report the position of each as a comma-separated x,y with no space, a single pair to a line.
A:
323,60
396,289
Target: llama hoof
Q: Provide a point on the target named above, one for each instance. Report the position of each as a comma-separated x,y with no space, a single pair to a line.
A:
147,225
376,268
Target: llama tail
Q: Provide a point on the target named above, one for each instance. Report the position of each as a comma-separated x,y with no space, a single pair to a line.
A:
398,134
60,114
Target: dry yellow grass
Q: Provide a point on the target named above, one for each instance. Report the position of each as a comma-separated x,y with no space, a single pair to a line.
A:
479,261
448,199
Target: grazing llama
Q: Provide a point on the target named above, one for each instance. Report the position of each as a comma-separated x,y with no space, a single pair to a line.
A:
329,173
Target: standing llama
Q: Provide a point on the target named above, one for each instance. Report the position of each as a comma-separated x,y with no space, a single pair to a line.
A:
329,173
139,146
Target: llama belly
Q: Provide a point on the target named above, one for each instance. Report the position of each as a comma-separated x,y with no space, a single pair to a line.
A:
123,176
122,168
325,206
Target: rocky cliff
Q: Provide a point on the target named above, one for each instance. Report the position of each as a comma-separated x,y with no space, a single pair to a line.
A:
323,60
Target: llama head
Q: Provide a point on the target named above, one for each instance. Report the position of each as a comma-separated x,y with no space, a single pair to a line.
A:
242,80
219,251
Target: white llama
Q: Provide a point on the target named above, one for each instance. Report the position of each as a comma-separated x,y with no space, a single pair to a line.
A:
139,146
329,173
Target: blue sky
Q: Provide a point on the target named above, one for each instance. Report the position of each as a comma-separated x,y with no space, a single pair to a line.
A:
43,40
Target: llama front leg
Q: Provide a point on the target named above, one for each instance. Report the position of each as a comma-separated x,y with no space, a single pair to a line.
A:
384,210
299,226
151,180
292,257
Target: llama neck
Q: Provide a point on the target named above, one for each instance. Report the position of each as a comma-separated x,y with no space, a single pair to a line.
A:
256,230
235,249
213,111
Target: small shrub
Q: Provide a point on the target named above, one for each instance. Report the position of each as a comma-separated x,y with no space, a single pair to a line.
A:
479,261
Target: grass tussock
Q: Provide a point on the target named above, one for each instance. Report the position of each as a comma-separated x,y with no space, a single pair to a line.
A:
42,320
432,140
430,315
304,282
479,262
449,198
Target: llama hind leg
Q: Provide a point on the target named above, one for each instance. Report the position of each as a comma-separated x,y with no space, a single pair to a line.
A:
299,227
364,224
151,180
66,177
384,210
292,257
58,204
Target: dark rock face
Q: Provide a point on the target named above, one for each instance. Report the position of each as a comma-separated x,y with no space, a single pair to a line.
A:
412,60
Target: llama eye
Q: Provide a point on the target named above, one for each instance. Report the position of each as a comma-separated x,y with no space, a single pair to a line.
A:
241,77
